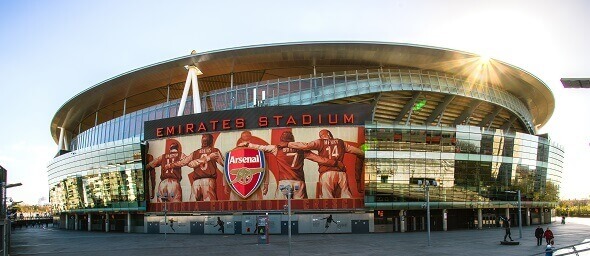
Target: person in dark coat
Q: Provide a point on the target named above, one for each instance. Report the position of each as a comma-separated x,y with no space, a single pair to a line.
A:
507,226
539,235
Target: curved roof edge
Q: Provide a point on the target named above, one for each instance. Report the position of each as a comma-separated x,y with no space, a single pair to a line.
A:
537,96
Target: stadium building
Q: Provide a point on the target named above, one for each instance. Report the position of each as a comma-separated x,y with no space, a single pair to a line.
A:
359,133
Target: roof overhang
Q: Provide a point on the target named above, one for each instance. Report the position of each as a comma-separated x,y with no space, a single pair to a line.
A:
575,82
531,90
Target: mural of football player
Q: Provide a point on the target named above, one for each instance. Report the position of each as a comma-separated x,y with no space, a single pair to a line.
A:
246,137
169,187
204,163
333,182
290,164
151,171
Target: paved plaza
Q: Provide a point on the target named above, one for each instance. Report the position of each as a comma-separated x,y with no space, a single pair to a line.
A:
37,241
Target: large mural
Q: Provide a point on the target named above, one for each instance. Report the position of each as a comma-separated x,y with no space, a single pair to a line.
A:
321,167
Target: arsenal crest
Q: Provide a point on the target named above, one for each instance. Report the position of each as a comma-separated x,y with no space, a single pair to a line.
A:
244,170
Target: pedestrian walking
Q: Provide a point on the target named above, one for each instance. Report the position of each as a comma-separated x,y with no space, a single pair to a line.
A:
548,236
507,227
539,235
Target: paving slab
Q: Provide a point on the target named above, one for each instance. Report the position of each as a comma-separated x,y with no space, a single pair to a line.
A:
37,241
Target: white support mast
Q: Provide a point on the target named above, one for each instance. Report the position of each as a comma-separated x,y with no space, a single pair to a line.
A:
191,78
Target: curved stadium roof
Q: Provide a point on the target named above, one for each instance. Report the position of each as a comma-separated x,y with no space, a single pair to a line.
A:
274,61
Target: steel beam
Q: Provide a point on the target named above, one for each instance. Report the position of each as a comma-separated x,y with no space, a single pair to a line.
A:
407,107
467,112
440,108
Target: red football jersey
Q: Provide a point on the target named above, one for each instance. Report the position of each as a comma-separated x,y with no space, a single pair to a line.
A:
290,164
330,149
171,173
208,169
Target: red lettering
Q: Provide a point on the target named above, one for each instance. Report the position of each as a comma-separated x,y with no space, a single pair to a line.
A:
330,121
202,127
291,120
179,129
159,132
263,121
319,118
225,124
277,118
349,119
170,130
213,124
240,123
306,119
190,128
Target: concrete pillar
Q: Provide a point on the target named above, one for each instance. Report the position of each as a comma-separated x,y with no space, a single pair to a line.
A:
90,222
67,221
129,222
396,224
528,216
402,221
107,223
542,215
76,222
479,218
423,223
414,224
444,224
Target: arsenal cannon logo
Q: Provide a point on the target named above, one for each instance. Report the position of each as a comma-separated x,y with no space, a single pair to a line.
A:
244,170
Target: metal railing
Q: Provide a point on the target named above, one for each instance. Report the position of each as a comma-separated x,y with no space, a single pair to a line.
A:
568,249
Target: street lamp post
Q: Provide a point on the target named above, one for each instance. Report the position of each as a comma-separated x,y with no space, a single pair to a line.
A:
427,184
519,212
519,216
165,197
5,212
288,192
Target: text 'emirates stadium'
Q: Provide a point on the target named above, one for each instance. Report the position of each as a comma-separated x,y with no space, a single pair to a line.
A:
360,135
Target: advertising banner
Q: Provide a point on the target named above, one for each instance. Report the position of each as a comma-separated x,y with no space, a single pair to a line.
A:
245,169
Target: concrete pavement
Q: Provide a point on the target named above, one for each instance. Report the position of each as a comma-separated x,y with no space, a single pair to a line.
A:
36,241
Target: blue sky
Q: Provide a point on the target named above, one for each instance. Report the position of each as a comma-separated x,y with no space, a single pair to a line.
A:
52,50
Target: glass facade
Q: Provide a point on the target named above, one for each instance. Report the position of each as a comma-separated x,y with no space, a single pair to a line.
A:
473,166
101,177
127,126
